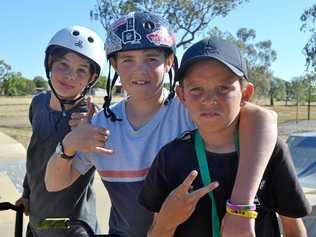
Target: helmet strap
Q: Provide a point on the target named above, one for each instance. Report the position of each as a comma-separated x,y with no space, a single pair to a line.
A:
63,102
172,82
108,113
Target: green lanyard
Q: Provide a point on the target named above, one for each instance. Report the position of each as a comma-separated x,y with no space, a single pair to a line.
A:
206,179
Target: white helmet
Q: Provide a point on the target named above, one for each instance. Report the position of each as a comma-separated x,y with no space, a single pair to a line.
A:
81,40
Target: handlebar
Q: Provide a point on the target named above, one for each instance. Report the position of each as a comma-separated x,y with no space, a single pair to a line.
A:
66,223
4,206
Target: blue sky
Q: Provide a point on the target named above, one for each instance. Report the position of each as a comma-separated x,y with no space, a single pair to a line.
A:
27,26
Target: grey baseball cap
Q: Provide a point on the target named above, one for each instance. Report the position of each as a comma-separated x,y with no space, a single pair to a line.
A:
219,49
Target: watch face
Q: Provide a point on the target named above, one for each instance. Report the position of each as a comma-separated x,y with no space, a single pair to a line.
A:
59,150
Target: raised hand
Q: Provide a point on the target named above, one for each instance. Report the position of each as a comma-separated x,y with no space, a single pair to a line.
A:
181,203
85,137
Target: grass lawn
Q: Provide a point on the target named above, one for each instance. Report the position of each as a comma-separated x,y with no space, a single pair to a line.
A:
14,115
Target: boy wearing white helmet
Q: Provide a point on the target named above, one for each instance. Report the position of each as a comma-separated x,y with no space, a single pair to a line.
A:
141,49
73,62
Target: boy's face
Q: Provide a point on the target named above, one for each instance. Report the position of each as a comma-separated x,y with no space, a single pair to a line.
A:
141,71
70,74
212,95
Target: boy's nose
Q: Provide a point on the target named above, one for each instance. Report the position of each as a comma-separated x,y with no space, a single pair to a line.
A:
70,73
210,97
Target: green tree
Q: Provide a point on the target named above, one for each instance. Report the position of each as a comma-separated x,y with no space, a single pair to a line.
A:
277,90
15,84
101,83
308,19
188,17
299,88
40,82
4,71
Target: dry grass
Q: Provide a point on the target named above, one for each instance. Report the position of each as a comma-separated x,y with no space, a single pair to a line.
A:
14,115
292,112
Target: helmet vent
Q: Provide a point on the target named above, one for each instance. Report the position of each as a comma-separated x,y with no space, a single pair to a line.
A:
90,39
75,33
149,25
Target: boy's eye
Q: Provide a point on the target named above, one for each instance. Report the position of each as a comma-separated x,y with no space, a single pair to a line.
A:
152,59
196,91
222,89
82,71
63,66
126,60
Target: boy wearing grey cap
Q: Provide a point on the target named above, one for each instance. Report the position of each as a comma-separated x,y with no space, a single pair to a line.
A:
213,87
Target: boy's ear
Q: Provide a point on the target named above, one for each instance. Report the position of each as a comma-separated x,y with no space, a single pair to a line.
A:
114,64
248,92
94,77
180,93
169,62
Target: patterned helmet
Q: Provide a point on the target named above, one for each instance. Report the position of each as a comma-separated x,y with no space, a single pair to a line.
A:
139,30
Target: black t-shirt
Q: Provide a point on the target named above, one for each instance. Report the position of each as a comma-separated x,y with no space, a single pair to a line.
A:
279,189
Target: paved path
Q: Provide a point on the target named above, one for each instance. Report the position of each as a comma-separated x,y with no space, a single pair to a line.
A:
10,149
13,153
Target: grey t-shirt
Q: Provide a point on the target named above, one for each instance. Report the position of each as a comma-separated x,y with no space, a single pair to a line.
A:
123,173
78,200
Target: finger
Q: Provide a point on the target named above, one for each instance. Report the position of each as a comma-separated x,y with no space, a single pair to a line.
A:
74,122
103,131
78,115
100,143
26,210
91,108
197,194
104,151
185,186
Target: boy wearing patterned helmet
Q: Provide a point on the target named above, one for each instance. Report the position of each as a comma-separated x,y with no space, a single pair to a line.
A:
141,47
73,62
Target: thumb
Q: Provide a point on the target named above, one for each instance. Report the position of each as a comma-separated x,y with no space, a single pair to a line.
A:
91,108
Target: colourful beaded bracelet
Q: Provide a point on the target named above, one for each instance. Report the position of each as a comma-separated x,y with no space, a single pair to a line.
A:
236,207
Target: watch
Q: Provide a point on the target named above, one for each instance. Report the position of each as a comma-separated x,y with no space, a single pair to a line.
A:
61,153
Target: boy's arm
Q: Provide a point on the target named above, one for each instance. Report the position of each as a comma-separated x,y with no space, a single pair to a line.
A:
61,173
293,227
258,135
24,200
157,231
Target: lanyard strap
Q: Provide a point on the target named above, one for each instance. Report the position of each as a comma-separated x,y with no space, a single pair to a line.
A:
206,179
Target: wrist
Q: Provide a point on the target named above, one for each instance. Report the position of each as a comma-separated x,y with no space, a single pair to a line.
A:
162,227
67,146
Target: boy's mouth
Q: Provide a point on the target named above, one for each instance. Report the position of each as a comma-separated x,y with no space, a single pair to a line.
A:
140,82
209,114
65,85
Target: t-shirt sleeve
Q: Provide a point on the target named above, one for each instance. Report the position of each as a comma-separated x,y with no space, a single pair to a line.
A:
155,189
289,197
82,162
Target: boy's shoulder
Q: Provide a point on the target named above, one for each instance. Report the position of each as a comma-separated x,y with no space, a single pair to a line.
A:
41,98
180,143
185,136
